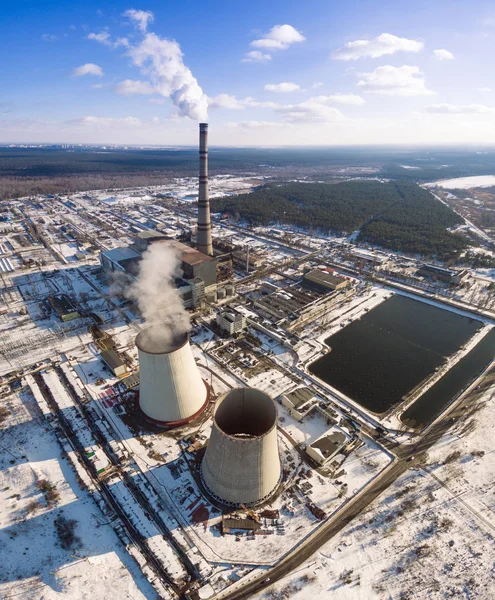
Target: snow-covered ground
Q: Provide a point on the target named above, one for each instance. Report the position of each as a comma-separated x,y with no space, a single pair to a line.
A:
430,535
33,563
464,183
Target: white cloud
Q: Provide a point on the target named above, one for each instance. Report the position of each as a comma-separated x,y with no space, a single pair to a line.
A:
49,37
161,60
256,56
156,100
350,99
88,69
442,54
105,121
313,110
279,37
252,103
141,18
102,38
131,87
282,88
121,41
225,101
484,90
256,125
395,81
466,109
317,84
386,43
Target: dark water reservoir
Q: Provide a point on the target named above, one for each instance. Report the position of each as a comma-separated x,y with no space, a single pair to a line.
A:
454,381
377,360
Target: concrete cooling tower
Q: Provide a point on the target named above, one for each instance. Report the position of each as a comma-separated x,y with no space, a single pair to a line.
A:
171,391
242,464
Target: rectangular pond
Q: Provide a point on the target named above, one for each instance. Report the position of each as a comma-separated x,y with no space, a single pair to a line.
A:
427,406
380,358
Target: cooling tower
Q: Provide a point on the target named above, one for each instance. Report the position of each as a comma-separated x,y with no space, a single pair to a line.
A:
171,391
242,464
203,236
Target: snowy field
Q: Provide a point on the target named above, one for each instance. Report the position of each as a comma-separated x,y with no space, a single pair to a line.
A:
430,535
464,183
34,564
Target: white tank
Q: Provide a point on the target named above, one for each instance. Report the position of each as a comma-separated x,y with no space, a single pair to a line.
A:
171,391
242,463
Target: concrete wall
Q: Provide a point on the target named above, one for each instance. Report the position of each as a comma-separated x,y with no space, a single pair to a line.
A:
171,388
242,464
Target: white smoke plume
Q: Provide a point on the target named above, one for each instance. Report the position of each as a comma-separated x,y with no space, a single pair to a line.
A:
158,300
161,60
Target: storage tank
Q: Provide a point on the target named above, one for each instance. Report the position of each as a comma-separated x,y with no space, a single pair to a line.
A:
230,289
221,293
171,390
242,463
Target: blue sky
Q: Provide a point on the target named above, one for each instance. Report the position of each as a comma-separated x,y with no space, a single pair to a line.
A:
262,73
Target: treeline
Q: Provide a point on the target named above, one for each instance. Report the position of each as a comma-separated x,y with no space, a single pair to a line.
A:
417,224
400,216
339,208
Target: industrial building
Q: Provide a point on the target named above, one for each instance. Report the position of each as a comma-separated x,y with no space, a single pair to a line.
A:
299,402
242,464
325,281
361,255
327,446
171,390
441,273
199,270
231,321
114,362
63,307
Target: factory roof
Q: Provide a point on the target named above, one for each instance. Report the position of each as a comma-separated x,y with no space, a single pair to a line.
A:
329,443
230,523
323,277
131,381
121,254
189,255
300,396
231,316
61,304
112,359
149,234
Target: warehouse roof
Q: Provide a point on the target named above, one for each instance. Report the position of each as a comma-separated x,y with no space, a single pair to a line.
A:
112,359
189,255
323,277
329,443
230,523
300,396
121,254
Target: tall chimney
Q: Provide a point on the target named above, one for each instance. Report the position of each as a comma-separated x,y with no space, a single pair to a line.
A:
203,239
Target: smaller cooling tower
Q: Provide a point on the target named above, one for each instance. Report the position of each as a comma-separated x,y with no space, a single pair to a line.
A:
242,464
171,391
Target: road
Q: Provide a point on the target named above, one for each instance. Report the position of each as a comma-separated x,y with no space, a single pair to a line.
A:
407,455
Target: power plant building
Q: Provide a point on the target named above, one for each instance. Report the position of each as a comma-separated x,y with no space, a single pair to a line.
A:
231,321
199,270
324,281
242,464
171,390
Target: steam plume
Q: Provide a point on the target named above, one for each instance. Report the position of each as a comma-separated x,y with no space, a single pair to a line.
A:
161,60
158,300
